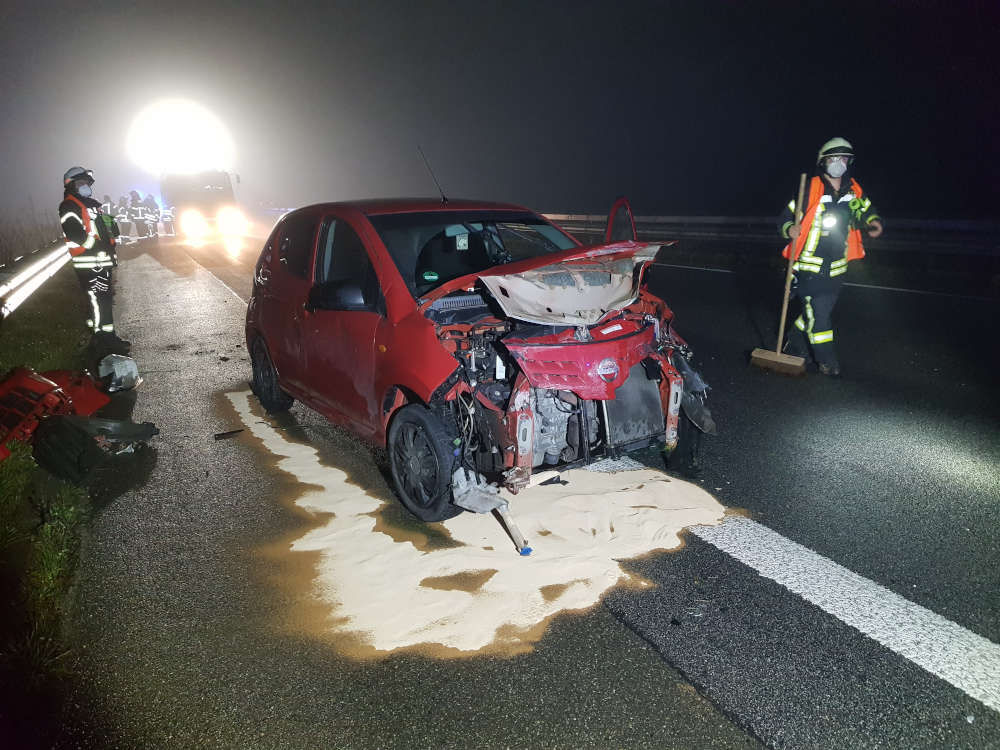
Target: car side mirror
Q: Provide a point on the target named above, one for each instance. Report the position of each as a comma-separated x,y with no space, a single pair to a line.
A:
336,295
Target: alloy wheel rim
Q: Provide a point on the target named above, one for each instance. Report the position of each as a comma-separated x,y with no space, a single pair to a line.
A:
416,465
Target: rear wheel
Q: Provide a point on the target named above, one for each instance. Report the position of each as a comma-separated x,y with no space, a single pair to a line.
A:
265,380
421,458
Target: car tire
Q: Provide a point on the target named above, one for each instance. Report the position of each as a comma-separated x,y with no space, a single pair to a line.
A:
686,458
421,457
265,380
66,450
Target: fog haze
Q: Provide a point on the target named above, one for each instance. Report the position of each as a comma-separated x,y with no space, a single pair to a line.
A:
687,108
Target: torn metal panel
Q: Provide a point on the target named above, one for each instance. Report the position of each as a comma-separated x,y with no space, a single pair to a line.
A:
576,292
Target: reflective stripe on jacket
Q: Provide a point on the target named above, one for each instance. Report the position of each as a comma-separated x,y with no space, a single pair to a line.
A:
805,244
82,235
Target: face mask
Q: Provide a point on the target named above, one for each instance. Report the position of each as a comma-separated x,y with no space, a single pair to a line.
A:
836,169
84,191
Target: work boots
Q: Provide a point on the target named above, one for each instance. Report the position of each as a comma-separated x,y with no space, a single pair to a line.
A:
109,342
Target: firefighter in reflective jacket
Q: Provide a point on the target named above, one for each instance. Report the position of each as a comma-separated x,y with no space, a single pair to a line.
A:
137,215
152,214
121,214
828,238
167,217
91,237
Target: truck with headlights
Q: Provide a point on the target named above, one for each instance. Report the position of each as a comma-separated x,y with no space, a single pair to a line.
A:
205,206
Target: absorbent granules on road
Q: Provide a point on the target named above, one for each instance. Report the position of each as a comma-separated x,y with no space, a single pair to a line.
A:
475,594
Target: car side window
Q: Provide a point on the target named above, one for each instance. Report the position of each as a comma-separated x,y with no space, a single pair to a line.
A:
296,244
342,257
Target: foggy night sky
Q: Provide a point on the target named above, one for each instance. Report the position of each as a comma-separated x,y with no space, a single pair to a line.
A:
686,108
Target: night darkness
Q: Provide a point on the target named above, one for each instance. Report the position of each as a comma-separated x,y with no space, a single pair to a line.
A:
689,109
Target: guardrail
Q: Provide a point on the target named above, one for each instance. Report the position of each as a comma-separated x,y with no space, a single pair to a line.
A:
21,277
979,239
937,236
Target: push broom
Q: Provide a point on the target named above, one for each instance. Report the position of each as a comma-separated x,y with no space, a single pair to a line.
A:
778,361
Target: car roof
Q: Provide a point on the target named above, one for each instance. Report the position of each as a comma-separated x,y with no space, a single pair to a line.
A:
375,206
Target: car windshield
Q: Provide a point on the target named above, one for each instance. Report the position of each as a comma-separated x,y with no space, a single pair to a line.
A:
432,247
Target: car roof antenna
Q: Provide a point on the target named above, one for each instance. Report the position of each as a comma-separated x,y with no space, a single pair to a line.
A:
444,198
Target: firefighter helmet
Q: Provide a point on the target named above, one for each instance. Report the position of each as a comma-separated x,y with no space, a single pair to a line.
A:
77,173
835,147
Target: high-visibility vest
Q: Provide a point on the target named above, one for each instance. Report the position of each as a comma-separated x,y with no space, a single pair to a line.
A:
813,219
84,256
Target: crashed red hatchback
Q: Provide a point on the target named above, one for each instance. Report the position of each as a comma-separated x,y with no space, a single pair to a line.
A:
471,339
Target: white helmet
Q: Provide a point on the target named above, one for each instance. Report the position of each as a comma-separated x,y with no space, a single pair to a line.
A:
835,147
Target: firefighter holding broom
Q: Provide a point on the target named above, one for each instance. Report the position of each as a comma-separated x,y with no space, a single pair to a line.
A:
822,243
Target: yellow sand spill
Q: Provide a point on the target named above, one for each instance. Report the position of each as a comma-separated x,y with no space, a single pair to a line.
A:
477,592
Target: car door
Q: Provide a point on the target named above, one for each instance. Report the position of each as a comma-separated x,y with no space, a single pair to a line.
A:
621,223
340,334
284,279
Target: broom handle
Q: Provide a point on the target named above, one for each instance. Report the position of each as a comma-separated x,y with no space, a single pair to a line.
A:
791,262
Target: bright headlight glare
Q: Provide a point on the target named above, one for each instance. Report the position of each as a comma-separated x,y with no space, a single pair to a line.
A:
193,224
232,222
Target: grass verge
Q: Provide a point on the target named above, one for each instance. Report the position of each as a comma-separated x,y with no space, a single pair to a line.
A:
41,519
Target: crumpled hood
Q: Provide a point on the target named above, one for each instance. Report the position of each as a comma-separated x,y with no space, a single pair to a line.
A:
576,290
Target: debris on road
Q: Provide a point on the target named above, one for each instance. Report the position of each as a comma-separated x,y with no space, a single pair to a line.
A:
119,373
227,434
54,411
475,493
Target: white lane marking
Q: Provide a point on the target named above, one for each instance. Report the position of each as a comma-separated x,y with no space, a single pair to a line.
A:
945,649
231,290
224,284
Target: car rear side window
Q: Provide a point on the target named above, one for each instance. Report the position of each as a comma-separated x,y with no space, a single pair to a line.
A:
296,244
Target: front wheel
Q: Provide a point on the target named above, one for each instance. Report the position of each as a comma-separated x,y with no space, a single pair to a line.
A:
421,458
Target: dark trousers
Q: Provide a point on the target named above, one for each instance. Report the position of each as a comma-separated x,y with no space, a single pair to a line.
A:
812,331
96,282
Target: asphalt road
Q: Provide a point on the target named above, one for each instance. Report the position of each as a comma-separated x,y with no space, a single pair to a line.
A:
183,614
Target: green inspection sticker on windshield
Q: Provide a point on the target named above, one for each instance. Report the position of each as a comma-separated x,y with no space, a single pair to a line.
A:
430,275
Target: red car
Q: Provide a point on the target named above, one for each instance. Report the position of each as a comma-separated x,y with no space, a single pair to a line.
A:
470,337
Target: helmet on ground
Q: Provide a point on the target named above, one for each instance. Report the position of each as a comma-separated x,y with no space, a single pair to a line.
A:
119,373
77,173
835,147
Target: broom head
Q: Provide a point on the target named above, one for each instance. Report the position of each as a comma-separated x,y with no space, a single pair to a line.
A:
786,364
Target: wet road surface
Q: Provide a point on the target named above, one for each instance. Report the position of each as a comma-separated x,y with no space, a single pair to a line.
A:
192,630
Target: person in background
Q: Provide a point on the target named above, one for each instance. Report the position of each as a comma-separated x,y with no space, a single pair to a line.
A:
91,243
137,215
826,240
167,218
121,216
152,212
